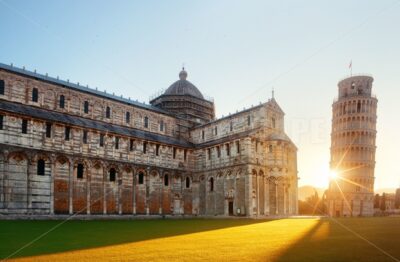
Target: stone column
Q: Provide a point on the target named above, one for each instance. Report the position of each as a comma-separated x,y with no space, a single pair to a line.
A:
71,184
258,193
5,180
147,181
290,209
214,194
284,198
88,181
235,207
225,194
276,198
249,193
196,194
120,181
104,190
134,191
52,175
161,190
28,186
207,184
266,195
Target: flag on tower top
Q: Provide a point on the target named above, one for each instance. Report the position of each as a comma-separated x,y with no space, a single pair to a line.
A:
351,67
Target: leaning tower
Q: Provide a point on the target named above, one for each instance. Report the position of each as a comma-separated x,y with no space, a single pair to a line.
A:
353,149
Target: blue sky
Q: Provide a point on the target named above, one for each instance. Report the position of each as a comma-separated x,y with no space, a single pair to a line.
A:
234,51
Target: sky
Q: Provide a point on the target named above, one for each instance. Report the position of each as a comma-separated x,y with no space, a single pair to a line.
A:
234,51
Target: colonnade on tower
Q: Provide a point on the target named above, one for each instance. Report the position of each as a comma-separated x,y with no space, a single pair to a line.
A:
353,148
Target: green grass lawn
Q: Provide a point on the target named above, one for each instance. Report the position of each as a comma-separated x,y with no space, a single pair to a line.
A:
204,239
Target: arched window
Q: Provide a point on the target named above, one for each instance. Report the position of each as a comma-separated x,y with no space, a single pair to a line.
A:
101,140
212,184
128,117
113,173
62,101
162,126
40,167
141,178
108,112
166,180
48,129
157,150
79,171
144,147
187,182
35,94
86,107
248,120
358,107
146,122
85,136
67,132
24,126
273,122
1,87
231,127
116,142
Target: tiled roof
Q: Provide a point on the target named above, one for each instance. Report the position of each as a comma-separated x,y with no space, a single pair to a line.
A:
67,84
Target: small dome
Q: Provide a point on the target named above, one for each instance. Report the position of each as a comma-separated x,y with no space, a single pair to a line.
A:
183,74
277,136
183,87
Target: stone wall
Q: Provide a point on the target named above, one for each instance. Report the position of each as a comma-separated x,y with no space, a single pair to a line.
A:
244,166
19,89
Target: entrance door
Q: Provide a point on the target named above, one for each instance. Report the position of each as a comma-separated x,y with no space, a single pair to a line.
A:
231,208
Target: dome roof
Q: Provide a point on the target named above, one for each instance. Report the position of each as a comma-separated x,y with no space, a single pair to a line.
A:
183,87
278,136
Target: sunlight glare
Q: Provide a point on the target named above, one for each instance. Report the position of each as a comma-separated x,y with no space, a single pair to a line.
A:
333,175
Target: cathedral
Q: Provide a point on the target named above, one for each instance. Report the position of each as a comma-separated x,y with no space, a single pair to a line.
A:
70,149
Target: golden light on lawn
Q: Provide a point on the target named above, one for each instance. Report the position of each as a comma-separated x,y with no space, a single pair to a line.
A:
264,241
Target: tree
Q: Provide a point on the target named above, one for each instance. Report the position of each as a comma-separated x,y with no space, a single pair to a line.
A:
397,198
313,205
383,202
377,200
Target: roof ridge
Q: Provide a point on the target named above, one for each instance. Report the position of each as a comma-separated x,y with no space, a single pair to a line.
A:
78,87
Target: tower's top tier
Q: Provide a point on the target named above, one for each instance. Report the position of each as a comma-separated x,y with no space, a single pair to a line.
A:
355,85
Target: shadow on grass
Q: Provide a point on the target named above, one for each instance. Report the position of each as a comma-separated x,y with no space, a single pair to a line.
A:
329,241
74,235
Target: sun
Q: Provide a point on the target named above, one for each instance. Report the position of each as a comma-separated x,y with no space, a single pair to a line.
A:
333,175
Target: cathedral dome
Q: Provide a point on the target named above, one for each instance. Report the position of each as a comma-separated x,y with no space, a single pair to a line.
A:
277,137
183,87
